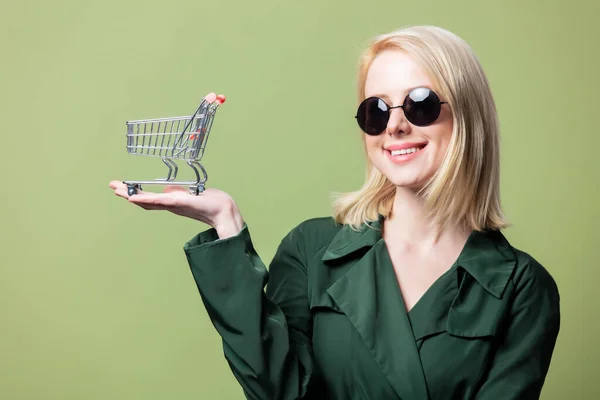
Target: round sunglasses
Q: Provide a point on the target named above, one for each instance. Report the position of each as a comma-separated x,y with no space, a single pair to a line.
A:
421,107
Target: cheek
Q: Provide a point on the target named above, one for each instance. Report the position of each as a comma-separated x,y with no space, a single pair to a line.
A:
372,145
445,130
441,136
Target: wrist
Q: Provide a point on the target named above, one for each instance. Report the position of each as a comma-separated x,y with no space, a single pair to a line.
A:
229,223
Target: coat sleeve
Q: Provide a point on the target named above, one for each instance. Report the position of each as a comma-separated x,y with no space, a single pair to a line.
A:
266,335
522,357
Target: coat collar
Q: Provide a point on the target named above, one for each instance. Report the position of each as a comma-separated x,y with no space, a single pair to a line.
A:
487,255
348,240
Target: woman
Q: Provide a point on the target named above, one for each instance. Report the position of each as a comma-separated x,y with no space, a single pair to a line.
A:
410,290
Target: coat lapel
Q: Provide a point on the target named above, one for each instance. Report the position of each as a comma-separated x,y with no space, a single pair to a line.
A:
369,296
467,301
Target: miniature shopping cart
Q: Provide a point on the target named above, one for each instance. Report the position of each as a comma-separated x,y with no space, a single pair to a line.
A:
175,138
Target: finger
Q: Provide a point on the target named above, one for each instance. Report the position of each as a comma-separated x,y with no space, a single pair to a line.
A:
211,97
116,184
120,188
162,199
121,191
153,207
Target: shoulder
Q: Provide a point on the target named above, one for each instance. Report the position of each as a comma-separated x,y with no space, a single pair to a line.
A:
301,243
533,282
319,228
311,235
530,271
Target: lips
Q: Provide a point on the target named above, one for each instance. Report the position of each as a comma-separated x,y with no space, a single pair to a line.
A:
404,152
404,146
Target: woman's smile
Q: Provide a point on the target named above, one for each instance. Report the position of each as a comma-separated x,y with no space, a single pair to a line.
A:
404,152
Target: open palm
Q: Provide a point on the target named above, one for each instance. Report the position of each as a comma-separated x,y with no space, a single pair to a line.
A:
213,206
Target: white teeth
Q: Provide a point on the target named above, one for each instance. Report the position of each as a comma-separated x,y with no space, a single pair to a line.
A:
404,151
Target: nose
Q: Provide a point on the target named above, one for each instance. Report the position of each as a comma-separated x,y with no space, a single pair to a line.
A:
398,124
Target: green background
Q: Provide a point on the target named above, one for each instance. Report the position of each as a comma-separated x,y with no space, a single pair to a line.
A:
96,298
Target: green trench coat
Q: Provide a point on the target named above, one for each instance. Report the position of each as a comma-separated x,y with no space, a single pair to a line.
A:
332,324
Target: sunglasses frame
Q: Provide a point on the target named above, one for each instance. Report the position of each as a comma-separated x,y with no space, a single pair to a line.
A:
390,108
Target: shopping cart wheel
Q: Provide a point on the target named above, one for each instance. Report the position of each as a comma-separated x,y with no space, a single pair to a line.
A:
196,190
133,188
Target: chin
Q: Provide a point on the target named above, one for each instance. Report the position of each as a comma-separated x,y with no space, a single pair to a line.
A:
404,178
409,185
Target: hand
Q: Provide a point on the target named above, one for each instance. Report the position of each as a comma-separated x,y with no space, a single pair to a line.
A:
213,207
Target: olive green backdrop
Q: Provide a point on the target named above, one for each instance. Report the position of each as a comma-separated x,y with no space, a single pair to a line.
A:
96,297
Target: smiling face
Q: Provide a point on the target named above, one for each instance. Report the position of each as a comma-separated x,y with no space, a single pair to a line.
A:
406,154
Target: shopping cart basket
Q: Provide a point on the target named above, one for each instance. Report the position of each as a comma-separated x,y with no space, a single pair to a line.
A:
175,138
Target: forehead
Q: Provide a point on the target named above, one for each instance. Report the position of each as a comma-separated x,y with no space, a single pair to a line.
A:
393,74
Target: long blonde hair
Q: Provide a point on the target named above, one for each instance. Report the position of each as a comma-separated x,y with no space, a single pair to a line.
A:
465,189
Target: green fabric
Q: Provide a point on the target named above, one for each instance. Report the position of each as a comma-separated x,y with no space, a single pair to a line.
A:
332,324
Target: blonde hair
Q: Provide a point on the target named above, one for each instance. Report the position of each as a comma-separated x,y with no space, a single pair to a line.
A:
465,189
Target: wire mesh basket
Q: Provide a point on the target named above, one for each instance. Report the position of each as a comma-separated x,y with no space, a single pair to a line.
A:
174,138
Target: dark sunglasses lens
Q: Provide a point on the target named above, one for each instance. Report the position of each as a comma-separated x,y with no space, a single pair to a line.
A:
422,107
372,116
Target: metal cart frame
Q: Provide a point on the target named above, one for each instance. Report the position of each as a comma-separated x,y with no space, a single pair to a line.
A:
174,138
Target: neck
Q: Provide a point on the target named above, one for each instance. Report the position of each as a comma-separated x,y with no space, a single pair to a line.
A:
408,227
